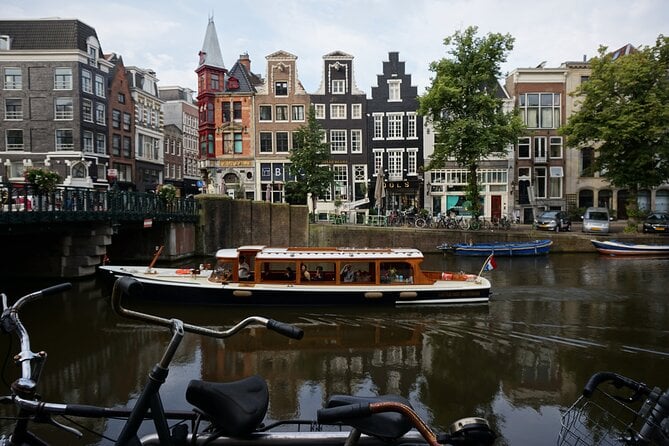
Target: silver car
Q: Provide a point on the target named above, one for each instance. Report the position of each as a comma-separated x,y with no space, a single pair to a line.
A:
596,220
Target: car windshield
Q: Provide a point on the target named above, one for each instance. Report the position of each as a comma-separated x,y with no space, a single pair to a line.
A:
598,216
658,217
551,214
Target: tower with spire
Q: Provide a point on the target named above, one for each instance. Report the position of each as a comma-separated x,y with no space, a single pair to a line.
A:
211,73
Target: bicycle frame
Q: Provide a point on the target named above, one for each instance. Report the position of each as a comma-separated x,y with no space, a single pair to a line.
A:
380,419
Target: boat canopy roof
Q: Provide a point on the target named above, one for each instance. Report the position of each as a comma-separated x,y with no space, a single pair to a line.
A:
319,254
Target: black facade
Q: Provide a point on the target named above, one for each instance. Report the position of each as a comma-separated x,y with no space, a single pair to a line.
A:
340,109
395,137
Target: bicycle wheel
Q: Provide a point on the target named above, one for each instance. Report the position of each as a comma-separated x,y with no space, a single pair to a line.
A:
420,223
474,224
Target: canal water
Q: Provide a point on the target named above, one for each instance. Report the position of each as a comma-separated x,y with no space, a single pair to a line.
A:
519,361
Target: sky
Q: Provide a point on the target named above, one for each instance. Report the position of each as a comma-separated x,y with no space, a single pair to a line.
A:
166,35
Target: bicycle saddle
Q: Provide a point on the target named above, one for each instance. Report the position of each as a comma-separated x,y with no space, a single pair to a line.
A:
385,425
235,408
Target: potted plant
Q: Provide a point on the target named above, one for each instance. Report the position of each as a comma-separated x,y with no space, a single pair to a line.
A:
167,194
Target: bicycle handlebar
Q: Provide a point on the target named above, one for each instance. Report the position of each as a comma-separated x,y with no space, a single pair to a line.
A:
132,287
617,380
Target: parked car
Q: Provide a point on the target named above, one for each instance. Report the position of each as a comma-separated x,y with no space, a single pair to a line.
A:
553,221
596,220
657,222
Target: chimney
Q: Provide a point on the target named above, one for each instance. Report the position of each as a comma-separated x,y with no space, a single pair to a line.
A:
244,60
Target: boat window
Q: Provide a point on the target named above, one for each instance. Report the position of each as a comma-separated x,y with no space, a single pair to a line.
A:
361,272
396,272
222,272
320,271
277,271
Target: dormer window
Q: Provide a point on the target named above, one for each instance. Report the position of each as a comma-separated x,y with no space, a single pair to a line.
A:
233,83
92,49
4,43
338,86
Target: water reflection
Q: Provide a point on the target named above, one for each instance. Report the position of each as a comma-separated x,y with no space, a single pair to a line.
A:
552,321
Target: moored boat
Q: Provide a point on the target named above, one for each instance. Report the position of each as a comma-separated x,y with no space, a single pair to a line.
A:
529,248
617,248
260,275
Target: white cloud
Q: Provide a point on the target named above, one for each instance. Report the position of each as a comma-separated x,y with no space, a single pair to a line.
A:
167,35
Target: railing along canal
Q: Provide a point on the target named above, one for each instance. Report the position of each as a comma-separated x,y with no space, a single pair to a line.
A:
69,204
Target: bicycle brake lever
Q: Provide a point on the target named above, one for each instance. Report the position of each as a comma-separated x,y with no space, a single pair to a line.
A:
48,420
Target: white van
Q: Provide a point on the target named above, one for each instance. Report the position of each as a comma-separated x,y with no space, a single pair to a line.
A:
596,220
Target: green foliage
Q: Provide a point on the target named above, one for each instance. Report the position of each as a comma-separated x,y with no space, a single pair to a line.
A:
42,179
167,193
310,159
296,192
463,105
624,113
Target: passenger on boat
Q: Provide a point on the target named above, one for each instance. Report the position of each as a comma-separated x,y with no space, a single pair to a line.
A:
305,275
290,275
244,269
318,275
347,274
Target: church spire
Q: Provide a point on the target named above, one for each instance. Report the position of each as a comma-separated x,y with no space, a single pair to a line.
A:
210,54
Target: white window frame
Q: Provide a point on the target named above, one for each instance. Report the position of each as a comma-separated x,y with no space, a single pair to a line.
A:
86,81
276,144
340,181
540,180
412,161
265,107
555,142
394,126
411,126
13,78
394,90
63,109
100,114
555,181
100,143
338,141
9,146
63,146
395,164
282,116
16,114
378,126
526,142
338,86
540,151
100,86
319,111
62,78
337,111
356,111
378,160
88,142
297,113
356,141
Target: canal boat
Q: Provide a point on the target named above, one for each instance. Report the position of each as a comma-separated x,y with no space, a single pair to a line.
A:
260,275
617,248
528,248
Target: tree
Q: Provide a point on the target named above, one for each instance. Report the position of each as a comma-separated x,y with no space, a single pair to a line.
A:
309,159
463,105
624,113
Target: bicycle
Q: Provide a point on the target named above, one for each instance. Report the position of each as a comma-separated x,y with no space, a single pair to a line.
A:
228,413
616,410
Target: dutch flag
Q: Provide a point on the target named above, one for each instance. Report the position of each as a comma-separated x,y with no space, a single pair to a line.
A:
490,264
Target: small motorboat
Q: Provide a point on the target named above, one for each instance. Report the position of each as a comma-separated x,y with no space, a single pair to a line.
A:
617,248
530,248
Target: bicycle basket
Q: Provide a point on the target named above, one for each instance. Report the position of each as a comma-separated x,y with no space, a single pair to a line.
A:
604,419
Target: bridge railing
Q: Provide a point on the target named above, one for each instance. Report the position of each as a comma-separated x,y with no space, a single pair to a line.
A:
27,204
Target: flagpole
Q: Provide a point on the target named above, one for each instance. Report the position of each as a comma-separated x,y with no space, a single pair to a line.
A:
484,264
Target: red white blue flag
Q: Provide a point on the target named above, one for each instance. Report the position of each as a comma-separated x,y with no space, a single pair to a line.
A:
490,264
